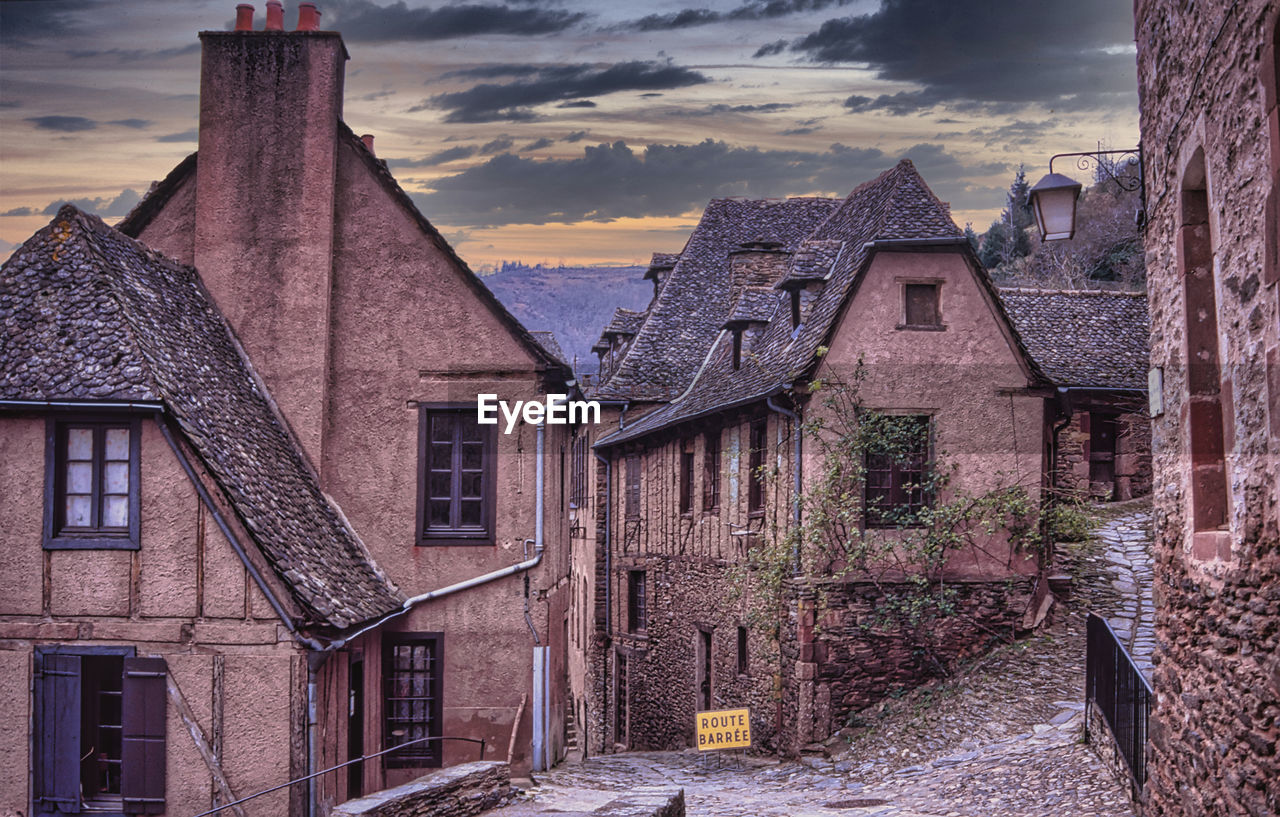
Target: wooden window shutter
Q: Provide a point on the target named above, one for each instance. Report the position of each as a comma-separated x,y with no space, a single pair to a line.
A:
58,721
143,749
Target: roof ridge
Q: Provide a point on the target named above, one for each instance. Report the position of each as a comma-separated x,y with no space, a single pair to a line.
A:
1132,293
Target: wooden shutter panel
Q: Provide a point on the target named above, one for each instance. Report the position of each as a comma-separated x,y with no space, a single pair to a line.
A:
143,749
58,722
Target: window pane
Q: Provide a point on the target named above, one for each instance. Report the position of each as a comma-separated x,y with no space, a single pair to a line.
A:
115,511
441,485
922,304
80,444
471,485
79,478
470,513
439,513
78,510
117,443
441,456
472,455
442,428
470,430
117,478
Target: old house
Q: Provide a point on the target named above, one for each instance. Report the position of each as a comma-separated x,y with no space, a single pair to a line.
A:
1211,138
252,527
1092,346
708,462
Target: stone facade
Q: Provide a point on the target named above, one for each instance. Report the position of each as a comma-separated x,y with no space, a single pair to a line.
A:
1130,457
1208,82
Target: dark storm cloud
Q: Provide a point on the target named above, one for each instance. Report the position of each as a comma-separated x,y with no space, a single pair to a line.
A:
132,54
364,21
611,181
513,101
576,136
769,49
186,136
496,146
28,21
578,103
995,57
713,110
537,144
136,124
689,18
438,158
111,207
62,124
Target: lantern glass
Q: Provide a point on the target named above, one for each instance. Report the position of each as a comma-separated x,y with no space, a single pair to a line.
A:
1054,201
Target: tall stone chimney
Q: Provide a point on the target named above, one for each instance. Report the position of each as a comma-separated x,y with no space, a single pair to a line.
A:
270,103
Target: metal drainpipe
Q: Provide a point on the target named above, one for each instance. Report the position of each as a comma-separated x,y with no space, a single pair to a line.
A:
608,580
1064,407
797,453
539,653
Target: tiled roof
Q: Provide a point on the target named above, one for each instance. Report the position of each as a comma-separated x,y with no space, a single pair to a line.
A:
754,305
624,322
897,206
1084,338
86,313
685,318
547,340
661,262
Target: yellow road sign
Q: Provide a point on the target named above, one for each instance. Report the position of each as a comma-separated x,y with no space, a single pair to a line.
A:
724,729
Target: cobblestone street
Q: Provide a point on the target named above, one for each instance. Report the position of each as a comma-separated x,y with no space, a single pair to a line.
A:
1000,739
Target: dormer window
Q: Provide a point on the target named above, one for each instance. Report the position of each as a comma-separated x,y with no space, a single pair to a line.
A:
921,307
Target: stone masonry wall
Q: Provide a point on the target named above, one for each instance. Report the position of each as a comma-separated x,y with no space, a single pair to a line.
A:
837,658
458,791
1207,83
1133,457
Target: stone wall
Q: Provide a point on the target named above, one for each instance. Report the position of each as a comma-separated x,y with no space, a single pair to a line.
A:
1132,462
837,656
1207,77
459,791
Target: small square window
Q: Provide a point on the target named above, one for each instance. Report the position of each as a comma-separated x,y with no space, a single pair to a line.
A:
91,497
921,305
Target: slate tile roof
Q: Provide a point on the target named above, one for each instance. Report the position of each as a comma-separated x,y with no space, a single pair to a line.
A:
1084,338
87,313
547,340
897,206
624,322
754,305
684,319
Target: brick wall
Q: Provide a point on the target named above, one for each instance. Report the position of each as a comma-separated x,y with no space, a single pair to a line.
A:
1207,79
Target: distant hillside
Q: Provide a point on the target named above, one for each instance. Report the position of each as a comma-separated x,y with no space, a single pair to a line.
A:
573,302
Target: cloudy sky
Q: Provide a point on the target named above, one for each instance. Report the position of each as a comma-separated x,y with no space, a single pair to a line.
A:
575,131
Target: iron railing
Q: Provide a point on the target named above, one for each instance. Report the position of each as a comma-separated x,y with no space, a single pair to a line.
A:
322,772
1122,695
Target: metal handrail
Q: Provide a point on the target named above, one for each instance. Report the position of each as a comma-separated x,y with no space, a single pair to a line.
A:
1115,685
360,759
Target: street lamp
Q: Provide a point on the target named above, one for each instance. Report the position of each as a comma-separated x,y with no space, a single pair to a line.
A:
1054,201
1054,197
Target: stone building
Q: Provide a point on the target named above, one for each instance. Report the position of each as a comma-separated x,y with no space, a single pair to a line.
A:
707,462
250,522
1092,345
1211,150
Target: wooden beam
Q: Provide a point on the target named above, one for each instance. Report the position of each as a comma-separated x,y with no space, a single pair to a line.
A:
201,742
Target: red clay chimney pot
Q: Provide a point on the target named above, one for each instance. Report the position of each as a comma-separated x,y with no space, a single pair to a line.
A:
244,17
368,141
308,17
275,15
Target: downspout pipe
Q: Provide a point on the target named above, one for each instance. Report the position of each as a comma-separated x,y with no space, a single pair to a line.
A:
540,691
1062,401
797,452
